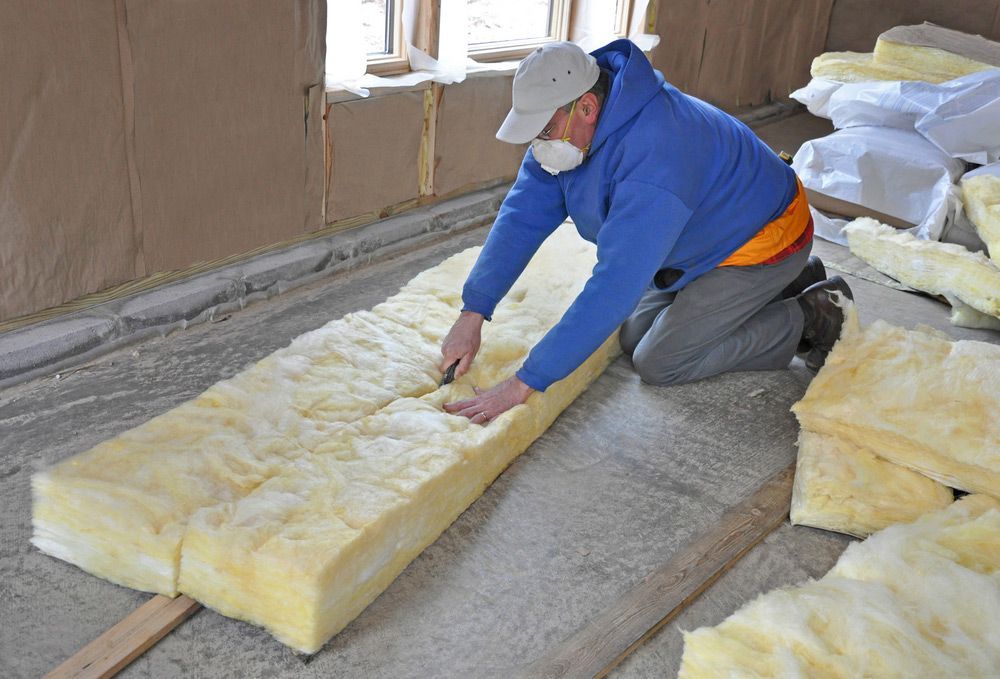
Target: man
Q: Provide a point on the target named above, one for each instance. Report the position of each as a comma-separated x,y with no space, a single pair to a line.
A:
703,233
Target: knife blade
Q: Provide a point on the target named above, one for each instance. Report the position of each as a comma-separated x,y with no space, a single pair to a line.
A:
449,374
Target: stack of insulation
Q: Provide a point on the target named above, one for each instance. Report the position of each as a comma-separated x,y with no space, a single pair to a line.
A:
907,116
928,53
893,421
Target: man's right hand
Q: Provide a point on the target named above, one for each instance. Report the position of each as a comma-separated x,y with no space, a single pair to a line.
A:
462,342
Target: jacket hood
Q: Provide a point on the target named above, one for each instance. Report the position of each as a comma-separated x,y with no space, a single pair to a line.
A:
633,83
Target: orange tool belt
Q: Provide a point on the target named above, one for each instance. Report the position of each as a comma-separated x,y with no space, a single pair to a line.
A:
787,234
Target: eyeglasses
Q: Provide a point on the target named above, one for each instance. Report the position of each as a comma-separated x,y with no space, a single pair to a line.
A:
545,134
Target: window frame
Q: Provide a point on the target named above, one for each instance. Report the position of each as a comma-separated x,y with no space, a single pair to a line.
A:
396,61
623,17
505,50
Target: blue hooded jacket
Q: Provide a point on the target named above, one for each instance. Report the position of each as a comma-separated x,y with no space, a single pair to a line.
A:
670,182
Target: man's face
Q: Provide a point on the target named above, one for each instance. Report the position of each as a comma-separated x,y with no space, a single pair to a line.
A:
581,126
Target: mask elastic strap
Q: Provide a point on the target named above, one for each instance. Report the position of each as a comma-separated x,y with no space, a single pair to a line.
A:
565,134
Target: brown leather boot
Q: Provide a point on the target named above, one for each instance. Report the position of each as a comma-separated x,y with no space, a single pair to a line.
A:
813,272
824,318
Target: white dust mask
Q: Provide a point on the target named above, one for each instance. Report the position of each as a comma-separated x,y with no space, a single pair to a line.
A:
558,155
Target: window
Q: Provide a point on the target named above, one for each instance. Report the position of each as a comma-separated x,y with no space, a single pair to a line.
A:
382,36
508,29
376,27
367,36
619,18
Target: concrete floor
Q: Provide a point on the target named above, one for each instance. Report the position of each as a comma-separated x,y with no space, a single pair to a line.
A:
625,477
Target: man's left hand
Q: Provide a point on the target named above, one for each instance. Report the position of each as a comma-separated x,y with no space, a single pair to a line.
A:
490,404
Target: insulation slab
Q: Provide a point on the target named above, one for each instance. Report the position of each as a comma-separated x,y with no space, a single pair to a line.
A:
293,493
927,52
952,43
913,398
841,487
937,268
914,600
981,196
934,64
856,67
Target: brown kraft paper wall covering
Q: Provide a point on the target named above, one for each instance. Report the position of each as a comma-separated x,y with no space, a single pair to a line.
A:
856,24
466,148
65,211
147,135
739,53
374,146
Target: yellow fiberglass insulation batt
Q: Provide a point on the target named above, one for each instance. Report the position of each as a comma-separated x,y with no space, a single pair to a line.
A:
913,398
981,195
938,268
894,60
293,493
842,487
914,600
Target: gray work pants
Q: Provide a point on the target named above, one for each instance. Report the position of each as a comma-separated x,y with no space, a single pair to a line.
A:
731,318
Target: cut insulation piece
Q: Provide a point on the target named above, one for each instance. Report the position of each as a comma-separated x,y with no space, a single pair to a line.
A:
841,487
981,195
937,268
914,399
915,600
330,459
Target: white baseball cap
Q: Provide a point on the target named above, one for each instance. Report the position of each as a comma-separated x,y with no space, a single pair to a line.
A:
551,76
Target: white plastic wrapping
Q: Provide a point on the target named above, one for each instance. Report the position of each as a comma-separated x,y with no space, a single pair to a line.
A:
893,171
816,96
961,116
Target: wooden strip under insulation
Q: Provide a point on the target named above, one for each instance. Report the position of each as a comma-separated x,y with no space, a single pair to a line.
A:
109,653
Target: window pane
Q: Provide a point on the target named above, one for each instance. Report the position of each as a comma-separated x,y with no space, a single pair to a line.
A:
610,21
501,20
376,15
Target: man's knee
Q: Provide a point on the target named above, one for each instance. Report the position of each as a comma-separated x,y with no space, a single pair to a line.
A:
629,336
661,369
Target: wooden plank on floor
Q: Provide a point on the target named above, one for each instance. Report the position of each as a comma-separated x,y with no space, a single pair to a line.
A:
109,653
597,647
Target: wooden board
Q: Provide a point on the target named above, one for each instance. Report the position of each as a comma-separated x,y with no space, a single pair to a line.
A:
601,644
109,653
838,206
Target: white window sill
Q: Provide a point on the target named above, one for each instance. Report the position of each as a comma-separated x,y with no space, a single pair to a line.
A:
404,82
